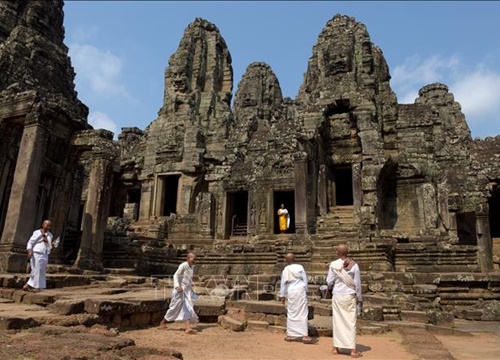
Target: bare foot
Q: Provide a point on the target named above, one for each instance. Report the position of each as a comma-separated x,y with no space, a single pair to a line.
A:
163,324
191,331
356,354
335,351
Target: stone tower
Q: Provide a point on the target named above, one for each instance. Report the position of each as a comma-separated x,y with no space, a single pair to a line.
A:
40,119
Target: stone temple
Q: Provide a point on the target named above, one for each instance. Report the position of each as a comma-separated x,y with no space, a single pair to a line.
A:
405,185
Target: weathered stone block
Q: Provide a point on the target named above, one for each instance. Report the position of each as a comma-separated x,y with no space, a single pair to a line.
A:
414,316
67,307
257,325
373,314
391,317
140,319
38,299
232,324
16,323
441,318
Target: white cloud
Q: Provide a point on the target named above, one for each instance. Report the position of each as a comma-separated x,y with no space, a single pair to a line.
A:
478,92
99,70
81,34
100,120
476,89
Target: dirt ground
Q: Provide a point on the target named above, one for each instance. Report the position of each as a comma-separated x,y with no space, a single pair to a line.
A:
213,342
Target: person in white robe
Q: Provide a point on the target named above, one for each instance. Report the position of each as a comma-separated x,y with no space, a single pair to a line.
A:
38,248
181,306
294,289
344,276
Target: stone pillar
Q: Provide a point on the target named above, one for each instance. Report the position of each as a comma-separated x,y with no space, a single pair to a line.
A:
300,161
252,220
484,242
322,190
19,221
145,208
357,186
95,216
59,213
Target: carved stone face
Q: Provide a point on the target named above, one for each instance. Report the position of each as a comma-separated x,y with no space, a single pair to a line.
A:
248,99
337,57
179,80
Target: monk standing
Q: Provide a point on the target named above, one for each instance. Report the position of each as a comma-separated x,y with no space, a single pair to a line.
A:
344,276
284,218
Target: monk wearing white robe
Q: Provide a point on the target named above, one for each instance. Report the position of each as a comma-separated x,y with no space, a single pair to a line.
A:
38,247
294,289
181,304
344,276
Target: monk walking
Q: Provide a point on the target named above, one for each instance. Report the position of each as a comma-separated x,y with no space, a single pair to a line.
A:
181,305
294,289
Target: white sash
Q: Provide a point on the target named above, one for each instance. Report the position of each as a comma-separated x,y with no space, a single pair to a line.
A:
338,268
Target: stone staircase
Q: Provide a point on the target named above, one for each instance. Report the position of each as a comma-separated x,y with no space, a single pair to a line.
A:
435,257
339,218
240,229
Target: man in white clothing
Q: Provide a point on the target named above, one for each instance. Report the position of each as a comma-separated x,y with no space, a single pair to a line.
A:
344,276
38,247
294,289
181,304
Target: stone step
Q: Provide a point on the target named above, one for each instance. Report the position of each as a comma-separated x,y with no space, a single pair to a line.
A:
120,271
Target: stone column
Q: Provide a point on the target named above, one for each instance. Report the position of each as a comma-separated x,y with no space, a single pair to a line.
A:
19,221
300,161
147,200
484,242
59,213
322,190
96,213
357,186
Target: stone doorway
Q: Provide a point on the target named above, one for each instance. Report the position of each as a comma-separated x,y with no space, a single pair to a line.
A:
342,181
167,195
466,228
237,214
288,199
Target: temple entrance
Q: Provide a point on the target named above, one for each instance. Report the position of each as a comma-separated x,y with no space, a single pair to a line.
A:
134,196
169,190
237,214
286,198
343,186
494,217
466,228
340,189
387,189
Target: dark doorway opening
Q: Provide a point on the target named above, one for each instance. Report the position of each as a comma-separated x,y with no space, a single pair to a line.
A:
494,213
170,190
343,186
81,211
237,213
286,198
134,196
387,188
466,228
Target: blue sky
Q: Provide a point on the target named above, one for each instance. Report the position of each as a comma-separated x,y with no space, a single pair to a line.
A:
120,49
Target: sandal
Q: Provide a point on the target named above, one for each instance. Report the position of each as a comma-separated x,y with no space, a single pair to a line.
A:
191,331
307,340
357,355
